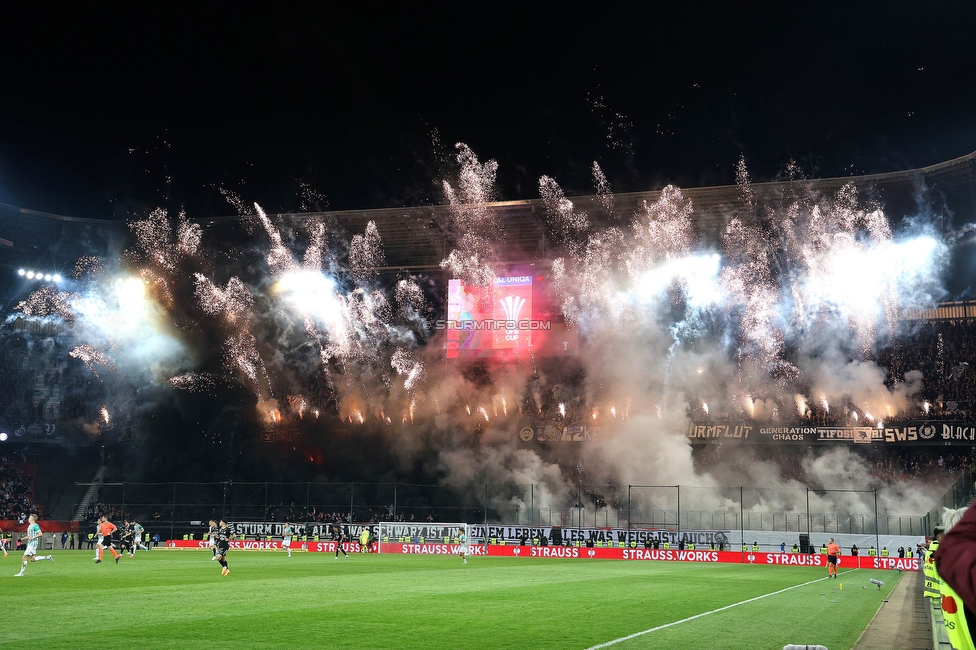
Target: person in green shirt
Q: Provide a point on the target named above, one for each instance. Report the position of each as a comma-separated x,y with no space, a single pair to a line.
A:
33,540
286,536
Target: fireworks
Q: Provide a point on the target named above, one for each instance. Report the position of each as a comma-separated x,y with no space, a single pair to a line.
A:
603,190
298,405
194,382
48,301
87,266
366,254
747,322
568,224
92,357
405,365
476,225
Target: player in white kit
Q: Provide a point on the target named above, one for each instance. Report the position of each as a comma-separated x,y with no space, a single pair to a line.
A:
33,540
463,548
137,531
286,537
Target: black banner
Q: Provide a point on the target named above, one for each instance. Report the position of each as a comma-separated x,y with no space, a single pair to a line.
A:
920,432
917,432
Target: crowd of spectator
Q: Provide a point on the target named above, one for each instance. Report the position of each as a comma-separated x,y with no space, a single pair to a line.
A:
17,500
98,509
371,515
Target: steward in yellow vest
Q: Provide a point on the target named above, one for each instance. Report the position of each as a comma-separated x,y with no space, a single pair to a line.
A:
933,583
954,615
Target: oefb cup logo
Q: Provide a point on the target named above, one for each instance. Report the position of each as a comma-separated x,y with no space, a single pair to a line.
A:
512,305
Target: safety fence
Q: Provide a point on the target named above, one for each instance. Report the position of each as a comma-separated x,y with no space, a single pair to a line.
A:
177,508
800,510
959,494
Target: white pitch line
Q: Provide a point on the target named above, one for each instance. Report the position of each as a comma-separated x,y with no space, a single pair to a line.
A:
714,611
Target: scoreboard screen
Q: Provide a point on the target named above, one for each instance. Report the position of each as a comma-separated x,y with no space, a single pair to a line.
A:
511,319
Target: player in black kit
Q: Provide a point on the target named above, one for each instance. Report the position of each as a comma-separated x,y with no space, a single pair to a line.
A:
339,537
223,544
125,541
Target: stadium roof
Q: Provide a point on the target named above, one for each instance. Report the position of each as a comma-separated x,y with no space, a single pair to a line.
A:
418,238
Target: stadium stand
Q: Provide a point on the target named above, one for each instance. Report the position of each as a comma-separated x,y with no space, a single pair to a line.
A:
17,486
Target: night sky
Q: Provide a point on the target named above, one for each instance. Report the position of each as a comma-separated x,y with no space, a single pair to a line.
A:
105,115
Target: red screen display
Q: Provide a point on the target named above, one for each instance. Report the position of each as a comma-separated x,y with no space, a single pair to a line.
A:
509,320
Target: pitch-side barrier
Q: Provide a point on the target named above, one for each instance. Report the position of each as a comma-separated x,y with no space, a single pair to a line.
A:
579,552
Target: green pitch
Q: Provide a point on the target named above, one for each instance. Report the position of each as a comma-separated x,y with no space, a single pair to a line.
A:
178,599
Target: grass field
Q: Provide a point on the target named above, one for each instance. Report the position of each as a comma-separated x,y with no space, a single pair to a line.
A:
170,599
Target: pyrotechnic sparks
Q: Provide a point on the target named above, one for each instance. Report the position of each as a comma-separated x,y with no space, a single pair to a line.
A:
298,405
801,405
366,254
104,413
568,224
92,357
477,227
243,209
48,301
405,365
194,382
87,266
603,190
